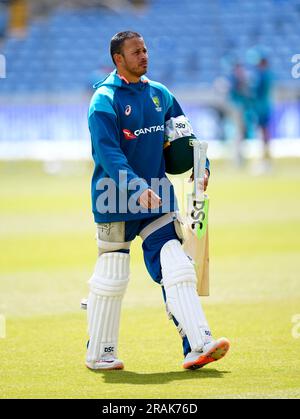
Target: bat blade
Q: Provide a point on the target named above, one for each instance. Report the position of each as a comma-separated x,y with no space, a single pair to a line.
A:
196,244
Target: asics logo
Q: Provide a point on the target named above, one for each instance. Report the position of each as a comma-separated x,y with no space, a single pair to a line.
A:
128,110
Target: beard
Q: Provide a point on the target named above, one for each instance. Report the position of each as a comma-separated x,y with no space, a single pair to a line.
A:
136,71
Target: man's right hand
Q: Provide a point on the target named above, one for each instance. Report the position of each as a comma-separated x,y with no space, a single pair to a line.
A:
148,199
206,178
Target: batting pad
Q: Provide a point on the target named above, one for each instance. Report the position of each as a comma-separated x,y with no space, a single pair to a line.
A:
107,288
179,280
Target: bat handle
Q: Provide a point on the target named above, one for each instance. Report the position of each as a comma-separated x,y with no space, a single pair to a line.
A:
202,160
200,152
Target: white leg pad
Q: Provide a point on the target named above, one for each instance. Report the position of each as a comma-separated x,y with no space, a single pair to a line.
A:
179,281
107,288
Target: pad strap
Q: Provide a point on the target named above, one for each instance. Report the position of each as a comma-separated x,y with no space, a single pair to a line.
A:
105,246
157,224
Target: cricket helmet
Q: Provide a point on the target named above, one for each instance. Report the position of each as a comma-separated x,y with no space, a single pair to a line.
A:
179,155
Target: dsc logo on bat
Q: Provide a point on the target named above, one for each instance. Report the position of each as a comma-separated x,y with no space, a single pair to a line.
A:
198,213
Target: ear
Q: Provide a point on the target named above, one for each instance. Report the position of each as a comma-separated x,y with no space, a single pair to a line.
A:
118,58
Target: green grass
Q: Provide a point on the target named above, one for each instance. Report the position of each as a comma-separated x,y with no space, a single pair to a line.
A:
48,253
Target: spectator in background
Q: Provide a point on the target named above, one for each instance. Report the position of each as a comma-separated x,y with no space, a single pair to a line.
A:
18,17
192,64
262,90
3,18
241,98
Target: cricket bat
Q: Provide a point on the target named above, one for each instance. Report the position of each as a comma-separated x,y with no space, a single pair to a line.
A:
196,244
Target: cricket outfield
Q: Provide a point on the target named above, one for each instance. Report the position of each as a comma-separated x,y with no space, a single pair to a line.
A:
47,255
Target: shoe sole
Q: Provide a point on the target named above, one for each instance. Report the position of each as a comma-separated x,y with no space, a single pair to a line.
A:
108,368
218,351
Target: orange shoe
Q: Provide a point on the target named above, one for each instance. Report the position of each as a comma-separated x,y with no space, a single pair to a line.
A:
211,352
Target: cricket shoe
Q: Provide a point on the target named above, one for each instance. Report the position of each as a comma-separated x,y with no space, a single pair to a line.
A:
105,364
211,352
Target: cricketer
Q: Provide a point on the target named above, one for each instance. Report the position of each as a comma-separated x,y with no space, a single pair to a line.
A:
138,133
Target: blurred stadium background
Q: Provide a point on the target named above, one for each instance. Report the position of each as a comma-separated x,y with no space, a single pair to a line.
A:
52,51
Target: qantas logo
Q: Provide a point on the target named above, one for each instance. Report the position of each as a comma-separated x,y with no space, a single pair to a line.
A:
129,135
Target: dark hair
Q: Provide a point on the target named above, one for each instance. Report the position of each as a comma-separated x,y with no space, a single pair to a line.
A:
118,39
